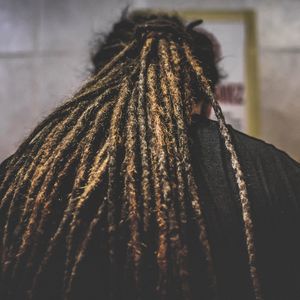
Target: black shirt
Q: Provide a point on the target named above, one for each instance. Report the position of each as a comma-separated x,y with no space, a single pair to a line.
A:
273,184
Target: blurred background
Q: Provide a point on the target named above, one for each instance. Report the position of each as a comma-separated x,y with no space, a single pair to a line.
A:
45,46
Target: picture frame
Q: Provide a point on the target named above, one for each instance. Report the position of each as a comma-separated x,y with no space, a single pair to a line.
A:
246,20
236,32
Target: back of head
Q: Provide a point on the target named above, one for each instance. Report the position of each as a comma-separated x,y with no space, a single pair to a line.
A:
100,200
124,31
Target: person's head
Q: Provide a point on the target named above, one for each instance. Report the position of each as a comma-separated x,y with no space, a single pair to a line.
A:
101,198
124,32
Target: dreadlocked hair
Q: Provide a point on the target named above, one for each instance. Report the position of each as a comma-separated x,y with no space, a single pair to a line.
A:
99,199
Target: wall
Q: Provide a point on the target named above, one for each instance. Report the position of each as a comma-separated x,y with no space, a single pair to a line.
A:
44,57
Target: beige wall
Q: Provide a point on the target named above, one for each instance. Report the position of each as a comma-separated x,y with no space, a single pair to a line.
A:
44,57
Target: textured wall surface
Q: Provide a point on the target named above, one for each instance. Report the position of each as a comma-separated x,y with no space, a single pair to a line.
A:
44,57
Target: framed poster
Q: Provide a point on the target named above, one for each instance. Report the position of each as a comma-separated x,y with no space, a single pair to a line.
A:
234,35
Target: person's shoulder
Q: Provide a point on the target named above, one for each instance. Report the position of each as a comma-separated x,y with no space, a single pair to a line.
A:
257,148
4,164
261,148
275,162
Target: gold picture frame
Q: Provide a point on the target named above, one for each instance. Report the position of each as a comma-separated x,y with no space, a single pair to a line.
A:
248,18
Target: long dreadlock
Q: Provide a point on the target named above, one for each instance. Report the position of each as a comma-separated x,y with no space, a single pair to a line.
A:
106,168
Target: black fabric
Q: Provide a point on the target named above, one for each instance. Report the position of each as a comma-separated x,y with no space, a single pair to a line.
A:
273,183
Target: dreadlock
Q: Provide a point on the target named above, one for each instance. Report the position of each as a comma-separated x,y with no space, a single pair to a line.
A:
108,175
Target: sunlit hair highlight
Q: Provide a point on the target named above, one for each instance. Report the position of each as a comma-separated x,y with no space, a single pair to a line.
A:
114,163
